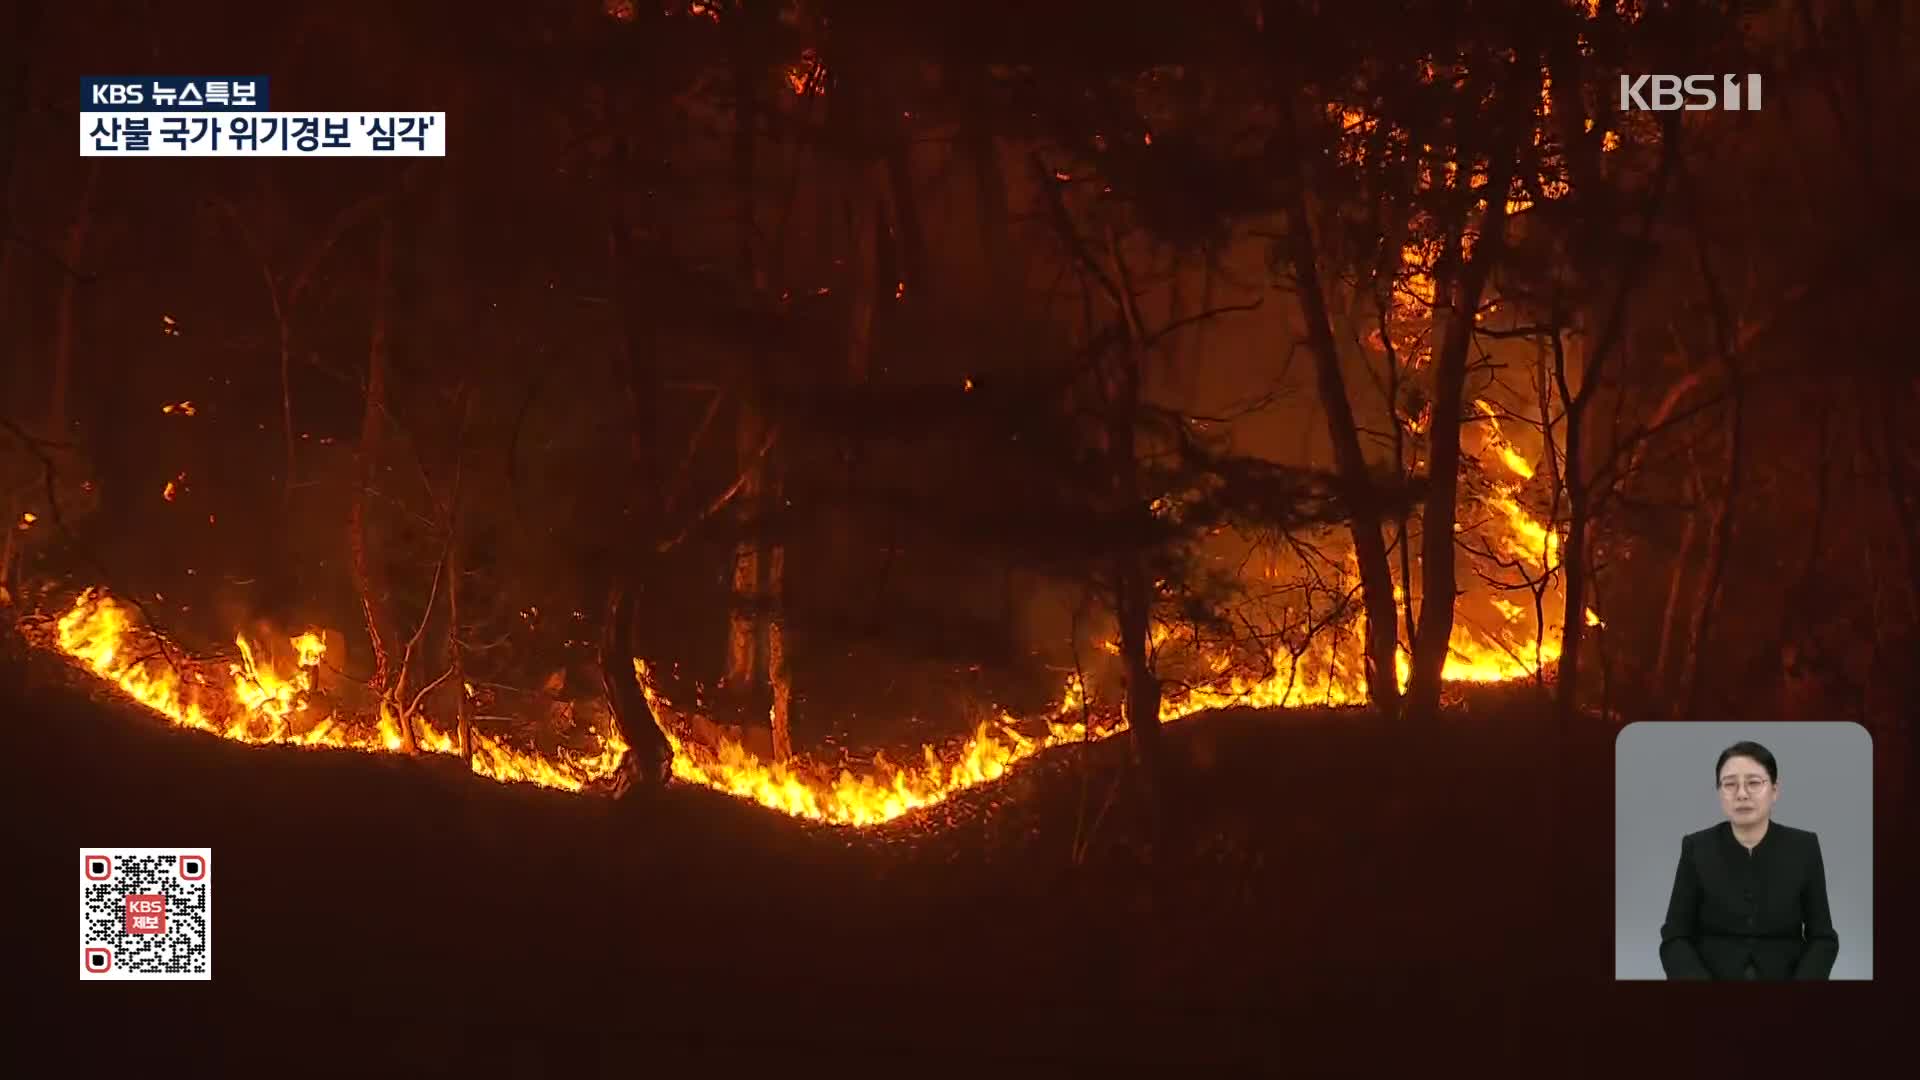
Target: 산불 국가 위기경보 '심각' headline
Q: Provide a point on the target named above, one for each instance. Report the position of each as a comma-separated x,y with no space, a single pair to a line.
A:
229,116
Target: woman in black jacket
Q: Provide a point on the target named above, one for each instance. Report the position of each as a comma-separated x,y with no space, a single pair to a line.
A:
1750,896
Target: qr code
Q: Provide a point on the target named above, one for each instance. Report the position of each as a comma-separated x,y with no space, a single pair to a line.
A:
146,913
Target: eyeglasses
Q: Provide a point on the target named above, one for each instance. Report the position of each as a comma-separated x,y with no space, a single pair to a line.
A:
1735,787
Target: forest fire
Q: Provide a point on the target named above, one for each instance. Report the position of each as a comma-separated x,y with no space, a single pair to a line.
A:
253,701
1089,500
270,695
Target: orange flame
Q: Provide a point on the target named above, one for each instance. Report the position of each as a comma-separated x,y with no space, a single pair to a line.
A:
256,702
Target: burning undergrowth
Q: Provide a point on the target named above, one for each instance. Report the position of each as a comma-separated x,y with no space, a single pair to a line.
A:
269,693
1302,649
265,693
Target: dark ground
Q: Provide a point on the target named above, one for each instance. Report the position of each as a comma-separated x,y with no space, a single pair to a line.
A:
1346,900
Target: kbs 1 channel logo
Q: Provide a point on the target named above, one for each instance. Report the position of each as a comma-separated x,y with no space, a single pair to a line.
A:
228,116
1692,93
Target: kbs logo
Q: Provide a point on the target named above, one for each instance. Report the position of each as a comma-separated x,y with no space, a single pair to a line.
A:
116,94
1666,93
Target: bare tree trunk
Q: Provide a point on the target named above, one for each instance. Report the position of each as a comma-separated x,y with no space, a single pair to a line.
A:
990,183
368,581
456,568
777,671
1134,593
281,320
1134,587
1403,518
1801,595
744,618
863,223
1719,535
1132,582
1370,549
1573,554
1430,648
912,239
1676,588
652,754
16,45
456,653
76,247
743,621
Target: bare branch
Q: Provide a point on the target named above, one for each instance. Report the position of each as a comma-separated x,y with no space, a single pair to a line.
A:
426,615
40,249
343,223
1076,244
1201,316
37,448
678,484
414,708
726,496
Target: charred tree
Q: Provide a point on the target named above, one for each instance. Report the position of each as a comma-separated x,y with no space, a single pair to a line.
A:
15,48
1662,682
456,652
778,675
1364,523
1719,533
369,582
1134,583
75,250
743,619
982,155
852,140
650,754
1464,278
911,235
1585,483
456,567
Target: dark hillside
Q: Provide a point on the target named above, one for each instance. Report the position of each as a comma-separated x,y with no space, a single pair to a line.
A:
397,905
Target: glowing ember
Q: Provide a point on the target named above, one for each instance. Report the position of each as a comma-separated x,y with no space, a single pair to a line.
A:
183,408
808,76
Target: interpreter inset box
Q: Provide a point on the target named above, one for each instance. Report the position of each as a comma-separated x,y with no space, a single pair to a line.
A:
1743,851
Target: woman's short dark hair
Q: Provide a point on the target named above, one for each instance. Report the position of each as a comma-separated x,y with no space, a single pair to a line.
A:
1754,750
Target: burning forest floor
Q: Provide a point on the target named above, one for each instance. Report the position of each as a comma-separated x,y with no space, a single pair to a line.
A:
1326,875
